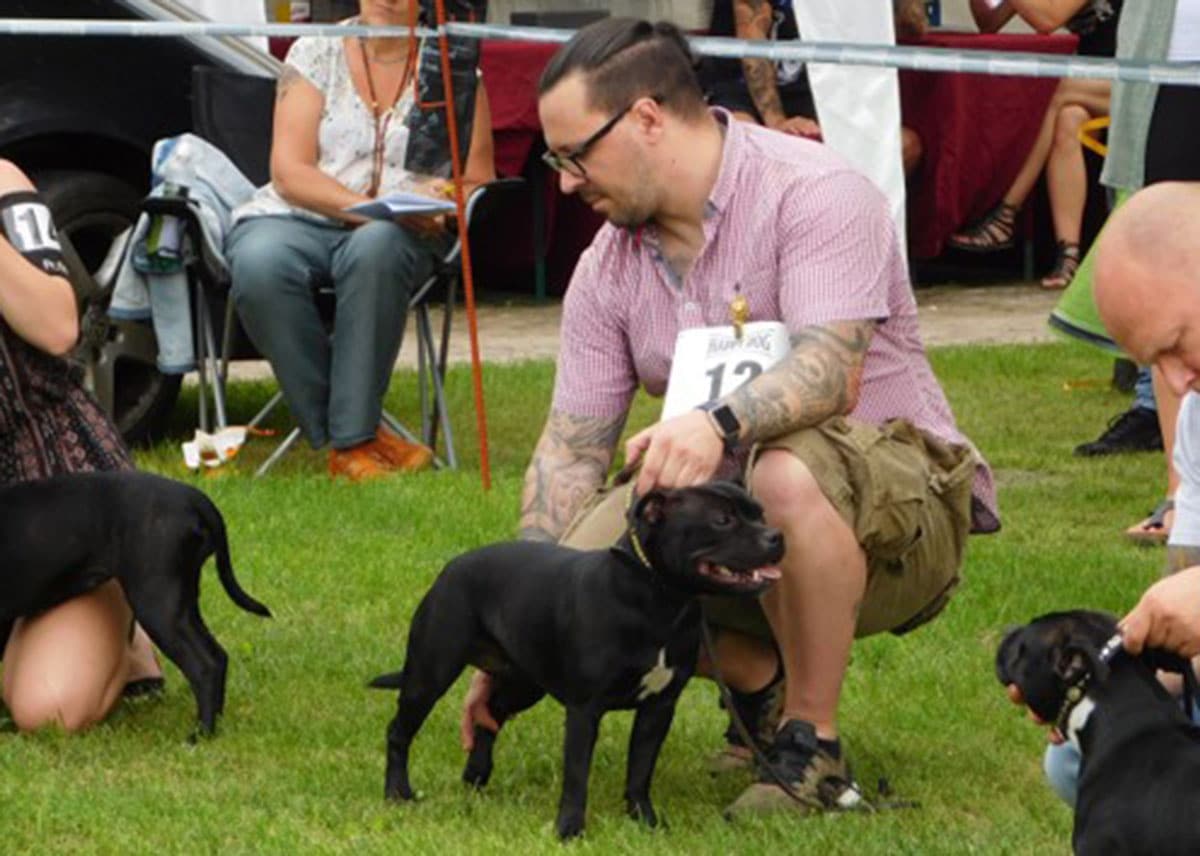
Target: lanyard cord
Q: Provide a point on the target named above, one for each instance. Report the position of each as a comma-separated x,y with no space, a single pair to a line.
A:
382,120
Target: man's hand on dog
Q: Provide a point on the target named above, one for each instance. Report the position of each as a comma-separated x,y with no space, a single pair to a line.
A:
475,710
1167,616
681,452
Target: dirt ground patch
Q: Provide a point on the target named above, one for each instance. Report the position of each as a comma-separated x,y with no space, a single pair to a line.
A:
949,315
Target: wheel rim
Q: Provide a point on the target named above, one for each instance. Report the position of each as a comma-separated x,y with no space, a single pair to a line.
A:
119,357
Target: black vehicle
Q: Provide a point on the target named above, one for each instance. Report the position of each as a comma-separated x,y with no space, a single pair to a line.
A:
81,114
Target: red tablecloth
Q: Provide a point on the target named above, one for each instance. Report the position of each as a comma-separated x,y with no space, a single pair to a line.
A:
976,130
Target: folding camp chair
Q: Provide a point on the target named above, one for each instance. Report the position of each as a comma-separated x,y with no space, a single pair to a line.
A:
234,112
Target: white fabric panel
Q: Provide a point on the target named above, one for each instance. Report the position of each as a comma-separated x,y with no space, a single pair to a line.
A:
234,12
859,108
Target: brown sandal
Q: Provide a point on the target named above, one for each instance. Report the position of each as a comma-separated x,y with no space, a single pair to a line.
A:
991,234
1066,263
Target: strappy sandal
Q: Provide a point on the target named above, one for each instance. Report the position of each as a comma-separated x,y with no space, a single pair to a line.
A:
1155,529
1066,262
991,234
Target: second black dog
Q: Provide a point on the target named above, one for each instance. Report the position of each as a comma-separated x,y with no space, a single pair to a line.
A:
1139,780
598,630
63,536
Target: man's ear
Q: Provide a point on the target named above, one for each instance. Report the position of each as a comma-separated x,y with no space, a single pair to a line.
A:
650,508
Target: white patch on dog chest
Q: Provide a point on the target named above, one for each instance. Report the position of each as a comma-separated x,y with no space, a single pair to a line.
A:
657,679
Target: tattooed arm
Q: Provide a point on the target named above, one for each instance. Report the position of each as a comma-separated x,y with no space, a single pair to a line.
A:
294,151
569,463
752,20
820,378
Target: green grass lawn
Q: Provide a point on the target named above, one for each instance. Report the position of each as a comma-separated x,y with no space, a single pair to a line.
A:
298,763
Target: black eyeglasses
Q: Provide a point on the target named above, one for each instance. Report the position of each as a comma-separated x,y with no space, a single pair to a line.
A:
569,162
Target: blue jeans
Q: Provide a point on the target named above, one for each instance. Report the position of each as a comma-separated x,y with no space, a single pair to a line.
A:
333,384
1143,390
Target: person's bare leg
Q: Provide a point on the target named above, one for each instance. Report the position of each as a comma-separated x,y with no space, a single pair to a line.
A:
1035,161
68,665
1066,172
1066,175
746,663
813,608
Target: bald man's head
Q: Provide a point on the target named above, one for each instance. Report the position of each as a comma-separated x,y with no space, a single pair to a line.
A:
1147,276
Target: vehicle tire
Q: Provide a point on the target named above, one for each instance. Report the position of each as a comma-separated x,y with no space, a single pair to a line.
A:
92,209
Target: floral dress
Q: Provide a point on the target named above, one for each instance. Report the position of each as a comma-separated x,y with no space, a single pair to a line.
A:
50,424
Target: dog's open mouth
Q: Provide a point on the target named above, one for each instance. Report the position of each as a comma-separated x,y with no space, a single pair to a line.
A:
738,577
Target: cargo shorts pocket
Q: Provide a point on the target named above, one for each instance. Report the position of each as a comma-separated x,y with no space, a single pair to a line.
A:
889,474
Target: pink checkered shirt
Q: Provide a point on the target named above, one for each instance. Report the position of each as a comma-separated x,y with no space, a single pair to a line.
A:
806,239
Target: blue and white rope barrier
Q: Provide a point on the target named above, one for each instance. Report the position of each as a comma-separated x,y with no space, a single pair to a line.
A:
887,56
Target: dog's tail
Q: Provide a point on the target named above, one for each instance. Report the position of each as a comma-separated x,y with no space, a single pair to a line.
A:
390,681
216,528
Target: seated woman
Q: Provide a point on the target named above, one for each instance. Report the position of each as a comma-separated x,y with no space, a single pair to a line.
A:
1057,148
70,665
340,138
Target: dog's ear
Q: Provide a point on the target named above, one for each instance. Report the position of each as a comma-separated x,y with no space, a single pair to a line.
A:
1074,659
650,508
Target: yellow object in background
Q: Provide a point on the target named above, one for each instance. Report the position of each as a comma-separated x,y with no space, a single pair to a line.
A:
1086,138
281,11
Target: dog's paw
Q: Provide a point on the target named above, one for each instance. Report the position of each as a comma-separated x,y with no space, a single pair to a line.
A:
569,825
399,793
642,811
477,772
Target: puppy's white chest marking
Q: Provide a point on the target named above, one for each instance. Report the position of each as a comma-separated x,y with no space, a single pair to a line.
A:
1078,720
657,679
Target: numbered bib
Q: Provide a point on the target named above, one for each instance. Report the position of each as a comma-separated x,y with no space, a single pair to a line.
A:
29,227
711,362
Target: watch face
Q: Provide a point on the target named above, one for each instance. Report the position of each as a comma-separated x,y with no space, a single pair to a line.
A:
728,422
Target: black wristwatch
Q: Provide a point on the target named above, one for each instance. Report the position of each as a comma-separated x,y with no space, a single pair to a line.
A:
725,422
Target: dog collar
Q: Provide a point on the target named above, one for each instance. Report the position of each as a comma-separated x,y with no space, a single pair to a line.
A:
634,541
1077,692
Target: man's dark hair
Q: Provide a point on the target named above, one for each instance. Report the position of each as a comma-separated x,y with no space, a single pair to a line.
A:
623,59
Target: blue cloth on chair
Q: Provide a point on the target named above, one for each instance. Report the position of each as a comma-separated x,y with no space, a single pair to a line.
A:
152,281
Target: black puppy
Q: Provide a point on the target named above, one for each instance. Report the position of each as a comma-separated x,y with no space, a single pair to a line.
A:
598,630
1139,782
64,536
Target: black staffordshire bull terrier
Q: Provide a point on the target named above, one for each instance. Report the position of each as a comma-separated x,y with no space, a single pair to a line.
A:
598,630
63,536
1139,781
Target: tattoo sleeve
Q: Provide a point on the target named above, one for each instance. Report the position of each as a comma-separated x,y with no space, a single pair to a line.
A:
568,465
287,79
818,379
753,21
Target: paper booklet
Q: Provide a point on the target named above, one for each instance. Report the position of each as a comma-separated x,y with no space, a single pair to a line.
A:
401,204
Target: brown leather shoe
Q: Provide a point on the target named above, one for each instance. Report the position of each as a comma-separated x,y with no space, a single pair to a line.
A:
402,454
359,463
